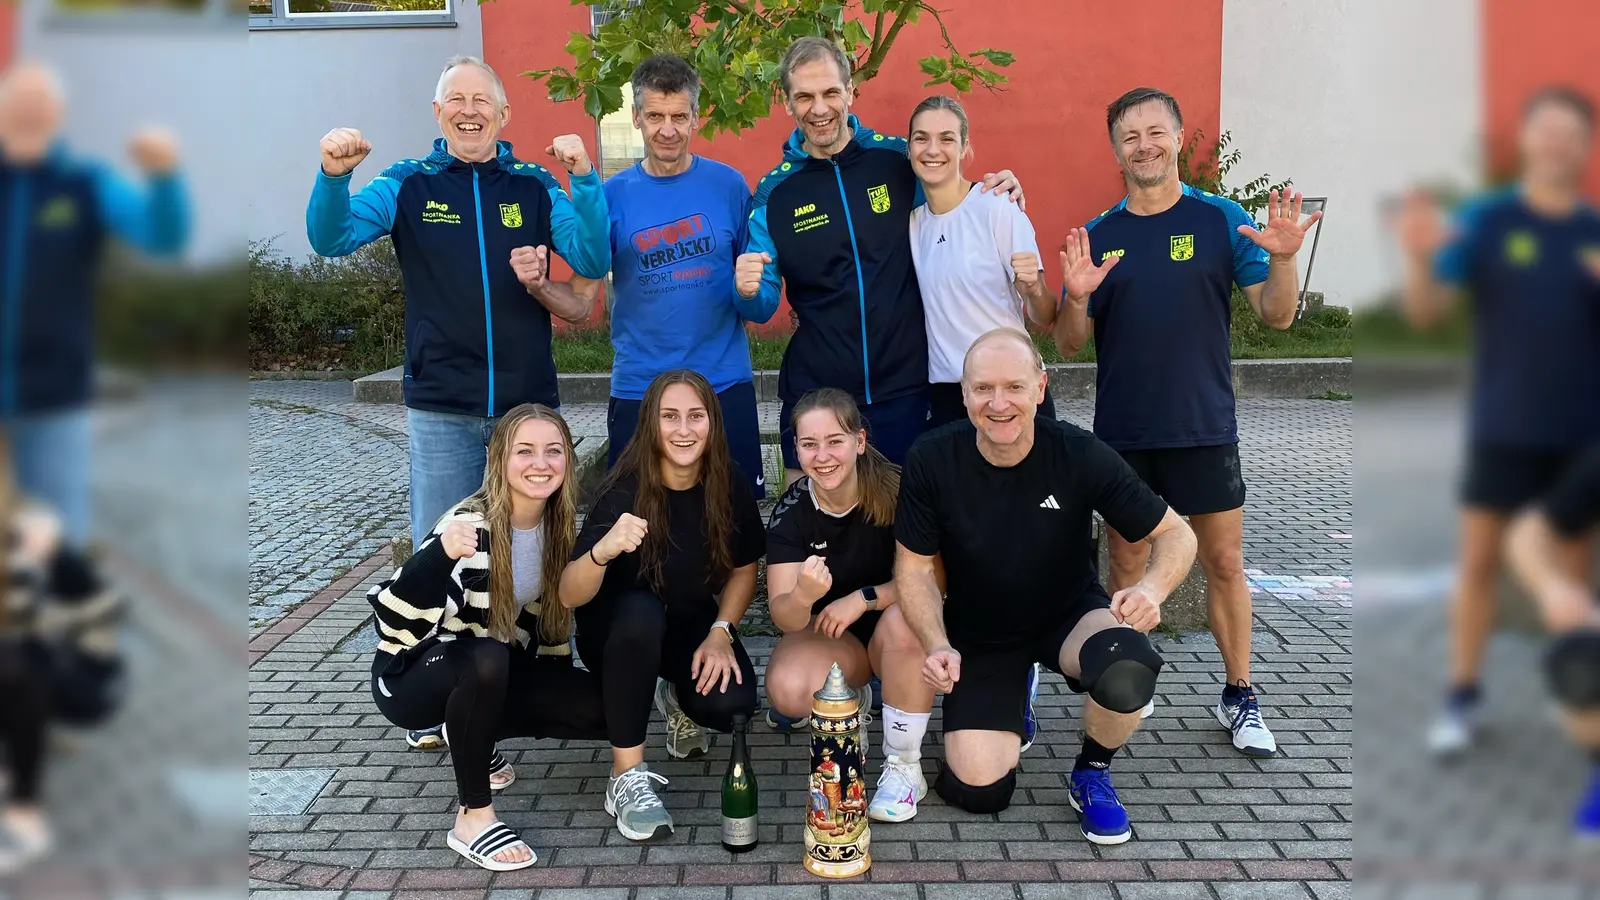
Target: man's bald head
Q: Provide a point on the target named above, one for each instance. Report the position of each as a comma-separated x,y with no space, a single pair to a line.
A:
31,101
1003,340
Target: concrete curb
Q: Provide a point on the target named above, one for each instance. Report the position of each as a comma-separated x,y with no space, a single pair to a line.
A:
1294,379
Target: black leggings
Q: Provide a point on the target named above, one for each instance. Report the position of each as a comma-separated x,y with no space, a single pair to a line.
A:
631,641
485,692
24,718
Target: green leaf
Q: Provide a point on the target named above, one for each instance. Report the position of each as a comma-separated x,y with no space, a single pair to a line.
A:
995,57
592,103
933,66
856,35
580,45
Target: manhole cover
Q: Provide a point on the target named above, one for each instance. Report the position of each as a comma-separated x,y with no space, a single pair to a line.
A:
285,792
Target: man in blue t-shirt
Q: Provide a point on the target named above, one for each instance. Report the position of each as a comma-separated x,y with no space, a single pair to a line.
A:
1529,257
1160,303
677,223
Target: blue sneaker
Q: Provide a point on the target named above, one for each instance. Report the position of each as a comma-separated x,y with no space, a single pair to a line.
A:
1100,813
777,721
1030,721
877,694
1587,819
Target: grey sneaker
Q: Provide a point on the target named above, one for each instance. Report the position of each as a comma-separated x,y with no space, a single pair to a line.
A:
685,739
427,739
631,798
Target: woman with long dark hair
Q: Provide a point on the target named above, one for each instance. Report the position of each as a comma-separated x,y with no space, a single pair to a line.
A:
468,634
660,577
976,256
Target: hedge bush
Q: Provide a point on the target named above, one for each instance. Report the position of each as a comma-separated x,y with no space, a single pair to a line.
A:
346,313
148,315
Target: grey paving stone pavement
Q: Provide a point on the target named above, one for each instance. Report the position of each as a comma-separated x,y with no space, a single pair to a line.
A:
1208,821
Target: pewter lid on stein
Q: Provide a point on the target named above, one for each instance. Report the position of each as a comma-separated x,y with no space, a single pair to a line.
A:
836,689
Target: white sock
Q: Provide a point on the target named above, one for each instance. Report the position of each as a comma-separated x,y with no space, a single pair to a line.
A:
902,733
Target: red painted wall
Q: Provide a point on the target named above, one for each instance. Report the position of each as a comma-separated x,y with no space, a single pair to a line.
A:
1528,45
7,31
1047,125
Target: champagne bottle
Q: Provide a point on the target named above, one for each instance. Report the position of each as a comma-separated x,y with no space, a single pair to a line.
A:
739,796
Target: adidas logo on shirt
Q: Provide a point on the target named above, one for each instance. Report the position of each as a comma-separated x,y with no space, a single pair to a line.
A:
940,240
1050,503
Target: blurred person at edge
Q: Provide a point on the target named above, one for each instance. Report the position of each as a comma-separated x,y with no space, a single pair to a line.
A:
57,212
1535,546
58,660
1529,257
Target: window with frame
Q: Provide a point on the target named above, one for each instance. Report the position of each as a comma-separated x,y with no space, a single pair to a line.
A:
349,13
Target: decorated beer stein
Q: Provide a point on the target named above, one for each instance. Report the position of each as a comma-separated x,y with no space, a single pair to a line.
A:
838,838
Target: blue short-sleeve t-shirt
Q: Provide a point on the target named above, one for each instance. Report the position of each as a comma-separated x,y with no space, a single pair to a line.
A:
674,240
1161,321
1534,285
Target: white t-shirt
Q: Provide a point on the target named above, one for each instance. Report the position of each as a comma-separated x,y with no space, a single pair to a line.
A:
963,260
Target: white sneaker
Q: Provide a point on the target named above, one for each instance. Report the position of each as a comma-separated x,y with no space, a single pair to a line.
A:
1149,709
685,739
1250,736
900,786
1454,731
865,695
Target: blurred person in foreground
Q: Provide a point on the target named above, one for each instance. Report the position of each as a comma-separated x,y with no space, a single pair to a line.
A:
1528,257
1537,547
58,660
57,212
473,228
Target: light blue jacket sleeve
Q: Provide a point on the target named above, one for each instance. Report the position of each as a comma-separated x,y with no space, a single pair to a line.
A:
338,224
761,307
1453,263
154,219
1250,262
581,226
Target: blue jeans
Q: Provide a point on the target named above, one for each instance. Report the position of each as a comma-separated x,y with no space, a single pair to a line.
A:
50,454
448,454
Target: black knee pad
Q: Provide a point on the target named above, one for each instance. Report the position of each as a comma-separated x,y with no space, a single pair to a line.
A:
1119,666
1572,667
990,798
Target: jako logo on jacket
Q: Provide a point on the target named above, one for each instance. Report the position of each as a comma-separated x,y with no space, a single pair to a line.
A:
476,342
838,231
55,218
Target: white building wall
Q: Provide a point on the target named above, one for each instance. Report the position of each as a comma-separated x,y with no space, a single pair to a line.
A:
1355,100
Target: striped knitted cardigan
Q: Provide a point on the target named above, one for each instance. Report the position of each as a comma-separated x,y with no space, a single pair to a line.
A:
433,595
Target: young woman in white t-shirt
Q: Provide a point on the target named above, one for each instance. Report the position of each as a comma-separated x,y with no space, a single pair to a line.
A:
976,256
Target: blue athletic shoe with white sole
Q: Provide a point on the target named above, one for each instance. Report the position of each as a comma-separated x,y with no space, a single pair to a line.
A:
1586,821
1100,813
1030,720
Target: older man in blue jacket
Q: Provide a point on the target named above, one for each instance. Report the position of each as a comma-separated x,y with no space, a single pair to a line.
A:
57,214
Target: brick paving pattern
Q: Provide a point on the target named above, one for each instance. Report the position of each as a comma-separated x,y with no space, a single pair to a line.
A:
1208,822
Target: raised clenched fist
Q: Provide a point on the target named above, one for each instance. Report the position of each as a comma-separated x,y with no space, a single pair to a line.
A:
748,270
154,151
624,537
815,579
1026,265
568,150
459,539
532,265
342,150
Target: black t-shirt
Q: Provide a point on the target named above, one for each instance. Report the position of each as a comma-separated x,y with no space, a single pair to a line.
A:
686,571
858,554
1574,504
1016,540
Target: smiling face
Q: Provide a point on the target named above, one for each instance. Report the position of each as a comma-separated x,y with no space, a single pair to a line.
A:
1002,390
827,452
1554,144
685,426
30,113
936,146
537,464
819,100
1147,140
470,113
667,122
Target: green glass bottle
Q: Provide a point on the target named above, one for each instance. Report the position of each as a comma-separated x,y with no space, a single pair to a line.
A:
739,796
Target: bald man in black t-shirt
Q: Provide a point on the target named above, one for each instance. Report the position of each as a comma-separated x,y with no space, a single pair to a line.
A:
1007,500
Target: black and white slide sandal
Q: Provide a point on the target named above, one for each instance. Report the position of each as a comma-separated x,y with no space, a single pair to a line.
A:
496,838
499,765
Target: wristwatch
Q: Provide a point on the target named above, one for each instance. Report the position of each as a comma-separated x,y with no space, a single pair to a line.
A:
725,626
870,594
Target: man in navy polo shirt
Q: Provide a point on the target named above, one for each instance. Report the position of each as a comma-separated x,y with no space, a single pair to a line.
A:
1529,256
1160,300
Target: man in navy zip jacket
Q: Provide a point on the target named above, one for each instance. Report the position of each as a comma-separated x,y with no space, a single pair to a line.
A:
832,223
472,227
57,213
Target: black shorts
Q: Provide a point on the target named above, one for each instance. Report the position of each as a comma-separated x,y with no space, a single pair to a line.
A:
1194,481
1505,479
992,694
892,426
946,406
